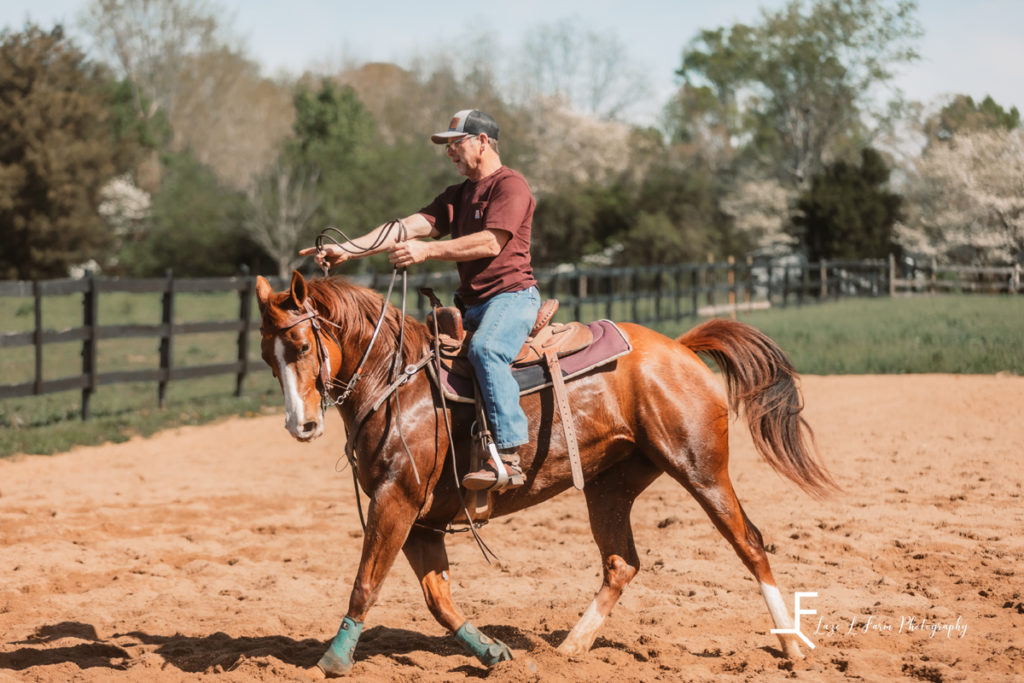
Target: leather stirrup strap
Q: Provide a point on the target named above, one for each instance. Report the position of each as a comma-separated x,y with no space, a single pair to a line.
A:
568,428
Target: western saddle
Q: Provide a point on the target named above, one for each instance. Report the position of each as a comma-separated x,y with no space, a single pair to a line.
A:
547,342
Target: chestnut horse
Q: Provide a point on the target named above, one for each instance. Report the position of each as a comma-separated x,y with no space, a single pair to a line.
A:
657,410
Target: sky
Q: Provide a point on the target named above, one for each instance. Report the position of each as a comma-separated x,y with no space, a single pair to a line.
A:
974,47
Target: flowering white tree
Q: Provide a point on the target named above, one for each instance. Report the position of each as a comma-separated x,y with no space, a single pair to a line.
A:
759,208
968,199
123,205
574,148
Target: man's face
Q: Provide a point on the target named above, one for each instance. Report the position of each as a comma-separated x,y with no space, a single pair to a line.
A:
466,153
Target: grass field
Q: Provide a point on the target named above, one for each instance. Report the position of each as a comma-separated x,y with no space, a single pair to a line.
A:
51,423
945,334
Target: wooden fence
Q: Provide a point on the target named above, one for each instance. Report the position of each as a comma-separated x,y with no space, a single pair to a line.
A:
650,295
90,333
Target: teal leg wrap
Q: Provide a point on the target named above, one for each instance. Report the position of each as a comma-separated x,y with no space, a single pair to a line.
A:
337,661
488,651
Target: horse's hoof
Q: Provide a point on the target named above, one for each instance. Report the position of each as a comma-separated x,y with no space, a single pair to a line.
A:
487,650
332,666
337,661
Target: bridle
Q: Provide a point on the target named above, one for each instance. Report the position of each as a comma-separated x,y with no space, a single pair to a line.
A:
325,380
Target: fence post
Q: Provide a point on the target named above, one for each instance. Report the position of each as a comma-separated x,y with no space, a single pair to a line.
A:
711,282
731,279
1015,279
931,287
581,293
677,293
805,282
89,310
634,282
166,339
823,291
37,335
892,275
610,302
748,295
695,290
245,313
659,273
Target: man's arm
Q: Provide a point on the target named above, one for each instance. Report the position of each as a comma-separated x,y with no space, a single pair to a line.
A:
416,227
483,244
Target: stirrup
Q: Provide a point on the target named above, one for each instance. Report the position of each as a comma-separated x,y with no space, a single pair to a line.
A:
488,477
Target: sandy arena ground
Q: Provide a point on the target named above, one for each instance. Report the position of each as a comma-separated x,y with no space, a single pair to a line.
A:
226,553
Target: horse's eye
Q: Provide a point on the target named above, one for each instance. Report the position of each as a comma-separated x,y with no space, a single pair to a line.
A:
305,349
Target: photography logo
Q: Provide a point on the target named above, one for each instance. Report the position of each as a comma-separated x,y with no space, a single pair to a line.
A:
796,618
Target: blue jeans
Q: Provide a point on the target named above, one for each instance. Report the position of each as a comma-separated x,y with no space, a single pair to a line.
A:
500,326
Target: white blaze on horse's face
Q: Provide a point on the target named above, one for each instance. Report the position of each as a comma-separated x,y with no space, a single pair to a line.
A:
295,408
297,369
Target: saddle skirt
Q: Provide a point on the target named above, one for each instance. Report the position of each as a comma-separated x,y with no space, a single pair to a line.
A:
580,349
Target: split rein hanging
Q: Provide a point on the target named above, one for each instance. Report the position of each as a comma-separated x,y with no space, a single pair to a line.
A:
326,401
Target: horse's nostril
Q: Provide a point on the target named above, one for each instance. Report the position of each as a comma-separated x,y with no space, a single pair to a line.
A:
308,427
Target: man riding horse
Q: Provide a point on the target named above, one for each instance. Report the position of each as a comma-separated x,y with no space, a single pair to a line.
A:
488,217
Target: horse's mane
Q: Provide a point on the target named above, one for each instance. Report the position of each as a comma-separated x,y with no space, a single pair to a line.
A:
355,311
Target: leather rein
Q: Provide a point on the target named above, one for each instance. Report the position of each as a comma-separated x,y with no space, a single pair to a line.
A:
326,381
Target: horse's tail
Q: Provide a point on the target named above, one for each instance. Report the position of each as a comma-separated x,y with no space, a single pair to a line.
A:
759,376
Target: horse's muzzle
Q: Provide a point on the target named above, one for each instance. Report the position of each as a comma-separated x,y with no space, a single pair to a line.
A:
307,431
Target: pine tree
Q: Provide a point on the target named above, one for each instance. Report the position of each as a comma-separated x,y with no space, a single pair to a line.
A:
56,152
847,212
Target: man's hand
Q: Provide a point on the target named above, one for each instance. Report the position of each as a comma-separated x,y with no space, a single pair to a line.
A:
405,254
329,255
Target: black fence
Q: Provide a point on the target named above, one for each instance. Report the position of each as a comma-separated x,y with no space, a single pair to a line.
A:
90,333
650,296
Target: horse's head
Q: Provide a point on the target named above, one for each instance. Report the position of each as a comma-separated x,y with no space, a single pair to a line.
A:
301,355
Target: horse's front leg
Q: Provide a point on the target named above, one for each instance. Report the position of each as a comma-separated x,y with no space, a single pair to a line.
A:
391,515
426,553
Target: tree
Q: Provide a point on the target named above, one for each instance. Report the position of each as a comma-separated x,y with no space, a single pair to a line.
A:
195,226
847,212
760,209
140,138
150,41
804,84
282,206
181,64
232,119
962,114
968,198
582,68
655,240
332,134
56,152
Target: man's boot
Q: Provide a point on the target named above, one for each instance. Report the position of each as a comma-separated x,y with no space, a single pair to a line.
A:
487,476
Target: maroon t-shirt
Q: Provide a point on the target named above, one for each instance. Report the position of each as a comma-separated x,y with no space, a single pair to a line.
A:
502,200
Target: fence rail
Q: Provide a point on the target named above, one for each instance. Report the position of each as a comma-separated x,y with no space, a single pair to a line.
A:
647,295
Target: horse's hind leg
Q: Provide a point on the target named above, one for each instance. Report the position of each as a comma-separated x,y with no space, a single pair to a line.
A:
425,550
706,476
610,498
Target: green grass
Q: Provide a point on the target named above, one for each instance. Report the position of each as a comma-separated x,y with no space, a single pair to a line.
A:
944,334
51,423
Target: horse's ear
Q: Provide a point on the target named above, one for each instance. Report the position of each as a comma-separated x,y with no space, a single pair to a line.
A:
299,290
263,291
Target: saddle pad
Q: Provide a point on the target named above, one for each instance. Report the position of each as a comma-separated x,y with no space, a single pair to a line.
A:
609,343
